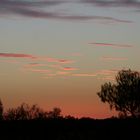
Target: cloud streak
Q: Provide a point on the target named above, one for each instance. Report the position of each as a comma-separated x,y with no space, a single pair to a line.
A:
36,58
40,70
99,44
36,10
113,3
69,69
101,73
55,60
17,55
107,72
84,75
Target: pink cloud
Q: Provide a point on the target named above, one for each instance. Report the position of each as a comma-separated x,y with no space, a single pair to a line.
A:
103,73
51,59
110,45
34,65
63,73
64,61
69,69
84,75
107,72
40,70
17,55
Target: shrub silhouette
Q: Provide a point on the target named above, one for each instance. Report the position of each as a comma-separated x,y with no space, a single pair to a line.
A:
1,110
124,95
54,114
25,112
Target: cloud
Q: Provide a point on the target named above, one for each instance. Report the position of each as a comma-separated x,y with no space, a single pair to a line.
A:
84,75
11,4
62,73
64,61
69,69
30,65
107,72
33,57
103,73
113,3
107,58
98,44
35,9
17,55
39,70
56,60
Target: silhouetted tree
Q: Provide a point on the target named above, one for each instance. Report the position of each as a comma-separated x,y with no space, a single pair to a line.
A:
55,113
1,110
124,95
37,113
25,112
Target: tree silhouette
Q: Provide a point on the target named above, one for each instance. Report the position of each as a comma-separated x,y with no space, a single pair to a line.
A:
1,110
54,114
25,112
124,95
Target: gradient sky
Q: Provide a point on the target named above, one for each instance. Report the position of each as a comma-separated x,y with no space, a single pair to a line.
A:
57,53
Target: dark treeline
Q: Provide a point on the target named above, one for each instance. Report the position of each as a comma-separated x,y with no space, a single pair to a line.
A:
69,129
32,123
33,112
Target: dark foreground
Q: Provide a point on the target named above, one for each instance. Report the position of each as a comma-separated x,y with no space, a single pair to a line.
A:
62,129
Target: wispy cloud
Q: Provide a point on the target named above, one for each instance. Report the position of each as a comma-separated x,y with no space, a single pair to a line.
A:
113,3
17,55
35,9
39,70
107,58
56,60
64,61
84,75
30,65
38,64
107,72
100,44
69,69
62,73
36,58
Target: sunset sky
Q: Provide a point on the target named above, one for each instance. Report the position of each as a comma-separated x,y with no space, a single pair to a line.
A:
57,53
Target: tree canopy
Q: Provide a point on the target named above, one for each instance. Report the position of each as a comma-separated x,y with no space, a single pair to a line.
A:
26,112
124,95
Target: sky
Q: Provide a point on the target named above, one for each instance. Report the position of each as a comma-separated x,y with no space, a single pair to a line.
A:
58,53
